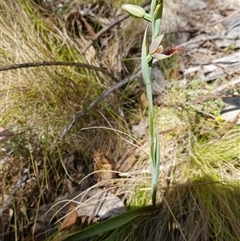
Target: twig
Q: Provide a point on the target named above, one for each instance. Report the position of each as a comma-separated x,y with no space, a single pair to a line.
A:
207,26
96,101
6,135
105,29
98,205
99,99
222,20
21,180
57,63
232,123
76,64
174,218
208,38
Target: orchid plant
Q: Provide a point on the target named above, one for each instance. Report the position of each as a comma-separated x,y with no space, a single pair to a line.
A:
151,51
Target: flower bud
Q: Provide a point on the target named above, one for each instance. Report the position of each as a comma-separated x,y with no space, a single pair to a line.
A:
134,10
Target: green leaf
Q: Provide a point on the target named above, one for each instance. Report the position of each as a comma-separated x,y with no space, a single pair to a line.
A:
145,64
155,171
146,73
110,224
157,18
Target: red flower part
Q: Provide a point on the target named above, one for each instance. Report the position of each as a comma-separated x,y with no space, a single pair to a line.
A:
178,49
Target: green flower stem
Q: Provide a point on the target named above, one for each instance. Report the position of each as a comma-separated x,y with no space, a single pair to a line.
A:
147,17
146,64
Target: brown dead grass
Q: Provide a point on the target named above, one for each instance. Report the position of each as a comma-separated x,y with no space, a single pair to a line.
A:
43,101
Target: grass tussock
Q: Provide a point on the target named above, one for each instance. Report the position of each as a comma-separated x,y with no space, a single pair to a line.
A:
198,187
218,158
43,99
196,211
